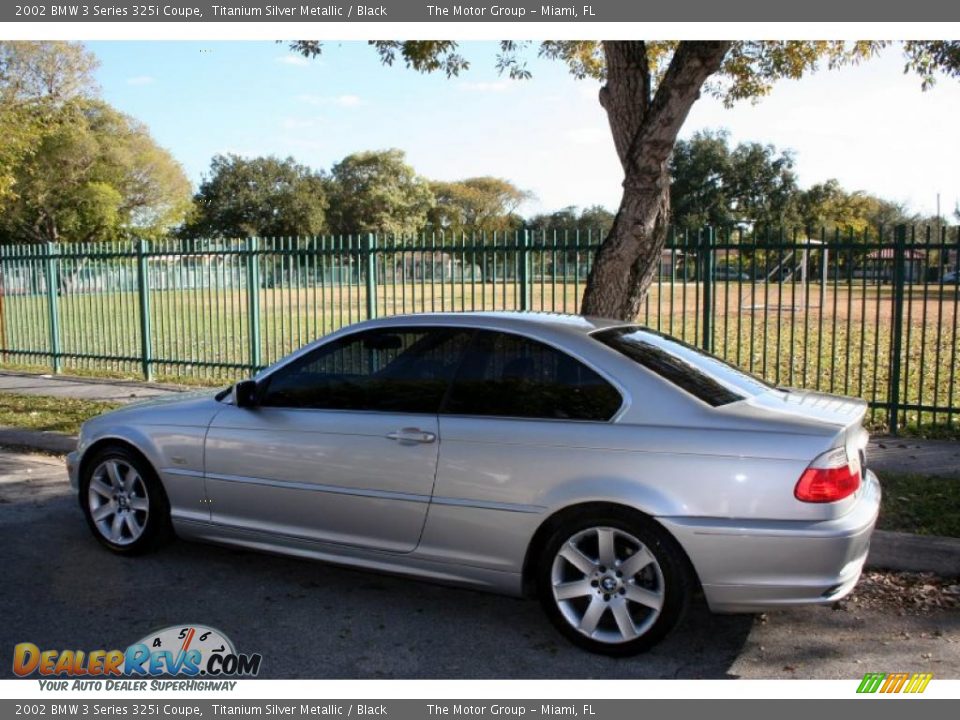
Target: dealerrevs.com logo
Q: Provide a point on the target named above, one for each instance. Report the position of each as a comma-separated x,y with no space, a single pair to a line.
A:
190,651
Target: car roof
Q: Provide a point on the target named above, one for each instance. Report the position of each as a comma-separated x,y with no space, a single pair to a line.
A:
573,324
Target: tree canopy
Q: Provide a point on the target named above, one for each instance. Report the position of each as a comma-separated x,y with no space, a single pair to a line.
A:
480,204
595,218
753,186
648,89
377,191
263,196
95,174
36,80
71,167
713,184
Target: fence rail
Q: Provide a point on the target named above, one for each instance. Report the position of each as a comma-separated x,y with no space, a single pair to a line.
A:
872,314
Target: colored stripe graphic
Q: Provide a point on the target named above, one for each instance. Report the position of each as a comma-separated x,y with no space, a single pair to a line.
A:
894,682
871,682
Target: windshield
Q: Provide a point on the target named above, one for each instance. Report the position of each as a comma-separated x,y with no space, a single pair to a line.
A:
702,375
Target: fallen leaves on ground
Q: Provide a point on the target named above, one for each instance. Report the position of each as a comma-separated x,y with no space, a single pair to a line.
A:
906,592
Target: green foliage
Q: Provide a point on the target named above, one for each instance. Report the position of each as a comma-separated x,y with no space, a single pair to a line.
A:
754,185
749,71
36,79
763,184
701,170
915,503
71,167
423,55
377,191
595,218
264,196
95,174
481,204
827,205
930,57
49,414
751,184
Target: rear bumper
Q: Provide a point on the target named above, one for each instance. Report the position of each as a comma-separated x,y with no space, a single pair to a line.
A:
752,566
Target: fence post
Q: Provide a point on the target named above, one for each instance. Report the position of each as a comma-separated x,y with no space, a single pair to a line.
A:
371,262
526,291
143,292
896,337
706,265
253,301
53,309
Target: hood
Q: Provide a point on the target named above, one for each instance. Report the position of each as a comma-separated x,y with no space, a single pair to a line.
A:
172,398
185,409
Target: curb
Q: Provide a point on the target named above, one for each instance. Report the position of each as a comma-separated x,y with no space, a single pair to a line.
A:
42,440
914,553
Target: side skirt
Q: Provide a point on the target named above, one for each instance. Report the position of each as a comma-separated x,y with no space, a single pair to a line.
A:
407,565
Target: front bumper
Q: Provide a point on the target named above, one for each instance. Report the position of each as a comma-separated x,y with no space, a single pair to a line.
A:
752,566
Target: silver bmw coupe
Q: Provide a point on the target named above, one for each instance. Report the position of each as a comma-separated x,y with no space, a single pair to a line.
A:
607,469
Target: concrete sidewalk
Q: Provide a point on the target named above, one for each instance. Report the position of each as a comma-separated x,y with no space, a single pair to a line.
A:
910,455
83,388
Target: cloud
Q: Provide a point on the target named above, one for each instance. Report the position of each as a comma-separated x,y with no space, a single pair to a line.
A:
297,123
339,100
587,135
588,90
295,60
488,87
140,80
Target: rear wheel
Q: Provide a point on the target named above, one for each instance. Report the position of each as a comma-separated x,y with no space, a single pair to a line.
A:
614,583
124,502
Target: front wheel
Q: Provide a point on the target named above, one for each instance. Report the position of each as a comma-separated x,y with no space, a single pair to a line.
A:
614,583
124,502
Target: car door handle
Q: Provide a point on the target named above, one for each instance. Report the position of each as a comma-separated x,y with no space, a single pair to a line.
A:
412,435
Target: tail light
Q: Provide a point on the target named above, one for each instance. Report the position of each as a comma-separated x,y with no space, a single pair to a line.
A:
830,477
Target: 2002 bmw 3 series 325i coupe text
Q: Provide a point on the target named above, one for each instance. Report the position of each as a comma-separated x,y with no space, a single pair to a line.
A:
606,468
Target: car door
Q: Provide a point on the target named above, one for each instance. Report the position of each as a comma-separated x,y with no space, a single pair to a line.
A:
521,417
342,445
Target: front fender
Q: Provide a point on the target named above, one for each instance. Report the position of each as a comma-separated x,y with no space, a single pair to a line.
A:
174,452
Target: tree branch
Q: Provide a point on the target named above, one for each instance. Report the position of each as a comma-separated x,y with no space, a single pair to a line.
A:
692,63
626,94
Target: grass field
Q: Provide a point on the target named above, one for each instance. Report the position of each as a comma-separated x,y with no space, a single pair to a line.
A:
836,339
55,414
920,504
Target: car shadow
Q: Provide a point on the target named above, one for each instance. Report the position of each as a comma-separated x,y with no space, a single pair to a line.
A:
307,619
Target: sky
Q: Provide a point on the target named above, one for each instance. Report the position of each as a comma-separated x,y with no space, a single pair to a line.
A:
870,126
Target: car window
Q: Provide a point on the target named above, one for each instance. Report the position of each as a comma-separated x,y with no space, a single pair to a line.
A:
513,376
702,375
387,370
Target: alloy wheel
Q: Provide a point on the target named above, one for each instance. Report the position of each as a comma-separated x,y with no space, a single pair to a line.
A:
118,501
607,585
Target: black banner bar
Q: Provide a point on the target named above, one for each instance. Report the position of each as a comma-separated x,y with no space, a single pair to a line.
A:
77,707
479,11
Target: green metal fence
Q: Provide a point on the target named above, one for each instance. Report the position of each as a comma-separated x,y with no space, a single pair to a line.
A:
872,314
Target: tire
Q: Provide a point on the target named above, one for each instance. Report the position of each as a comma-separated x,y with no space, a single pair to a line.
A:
124,503
609,610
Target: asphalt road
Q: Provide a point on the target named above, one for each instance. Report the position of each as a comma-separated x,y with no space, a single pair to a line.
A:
60,589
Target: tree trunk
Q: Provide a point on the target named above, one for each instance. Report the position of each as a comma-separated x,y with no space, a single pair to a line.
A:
644,132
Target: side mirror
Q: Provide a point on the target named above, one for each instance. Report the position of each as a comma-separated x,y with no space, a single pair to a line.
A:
245,394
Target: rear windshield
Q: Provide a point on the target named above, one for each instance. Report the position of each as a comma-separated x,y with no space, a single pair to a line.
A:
704,376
